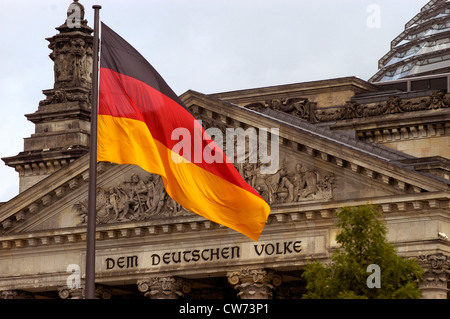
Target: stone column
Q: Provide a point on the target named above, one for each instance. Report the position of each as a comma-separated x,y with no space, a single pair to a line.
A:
101,292
436,277
254,283
15,294
163,287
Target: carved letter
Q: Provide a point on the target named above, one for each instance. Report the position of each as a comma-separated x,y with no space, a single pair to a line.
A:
259,252
110,263
214,252
203,256
237,250
286,247
121,262
271,250
132,261
298,246
225,253
196,255
176,257
184,256
278,250
156,259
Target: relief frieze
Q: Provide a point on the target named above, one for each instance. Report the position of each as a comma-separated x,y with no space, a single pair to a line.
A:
393,105
297,184
298,107
304,109
143,196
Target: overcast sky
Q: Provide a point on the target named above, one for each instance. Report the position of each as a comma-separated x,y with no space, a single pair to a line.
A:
206,45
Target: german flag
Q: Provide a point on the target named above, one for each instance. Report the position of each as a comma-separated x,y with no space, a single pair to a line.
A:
138,112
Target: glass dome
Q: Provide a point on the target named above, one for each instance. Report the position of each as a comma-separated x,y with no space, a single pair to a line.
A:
423,48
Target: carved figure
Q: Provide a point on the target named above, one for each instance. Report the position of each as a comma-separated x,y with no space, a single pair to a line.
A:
298,182
138,194
156,196
250,173
136,199
311,178
112,202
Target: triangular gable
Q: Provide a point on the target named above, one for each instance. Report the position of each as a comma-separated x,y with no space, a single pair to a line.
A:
321,145
316,166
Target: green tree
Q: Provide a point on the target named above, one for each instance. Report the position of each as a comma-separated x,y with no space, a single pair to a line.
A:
363,242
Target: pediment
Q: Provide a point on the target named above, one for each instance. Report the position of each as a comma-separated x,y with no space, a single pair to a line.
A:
125,193
316,168
372,169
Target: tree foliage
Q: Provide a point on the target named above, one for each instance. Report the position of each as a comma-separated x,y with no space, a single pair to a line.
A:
363,242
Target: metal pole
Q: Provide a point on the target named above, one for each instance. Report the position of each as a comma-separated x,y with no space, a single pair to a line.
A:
92,195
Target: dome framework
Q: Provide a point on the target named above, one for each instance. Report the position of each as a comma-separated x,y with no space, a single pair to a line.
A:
423,48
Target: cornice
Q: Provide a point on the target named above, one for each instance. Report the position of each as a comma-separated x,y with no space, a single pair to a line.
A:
399,206
295,90
46,192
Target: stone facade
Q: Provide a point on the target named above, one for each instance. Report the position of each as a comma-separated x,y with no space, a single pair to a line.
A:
337,147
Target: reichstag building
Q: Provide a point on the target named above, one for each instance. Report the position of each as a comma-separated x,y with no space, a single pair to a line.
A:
342,142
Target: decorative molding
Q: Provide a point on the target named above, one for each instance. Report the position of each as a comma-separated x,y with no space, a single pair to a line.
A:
15,294
254,283
297,212
306,110
437,275
164,287
101,292
392,105
298,107
386,135
71,293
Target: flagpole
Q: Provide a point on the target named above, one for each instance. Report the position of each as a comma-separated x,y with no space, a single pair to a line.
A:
92,193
